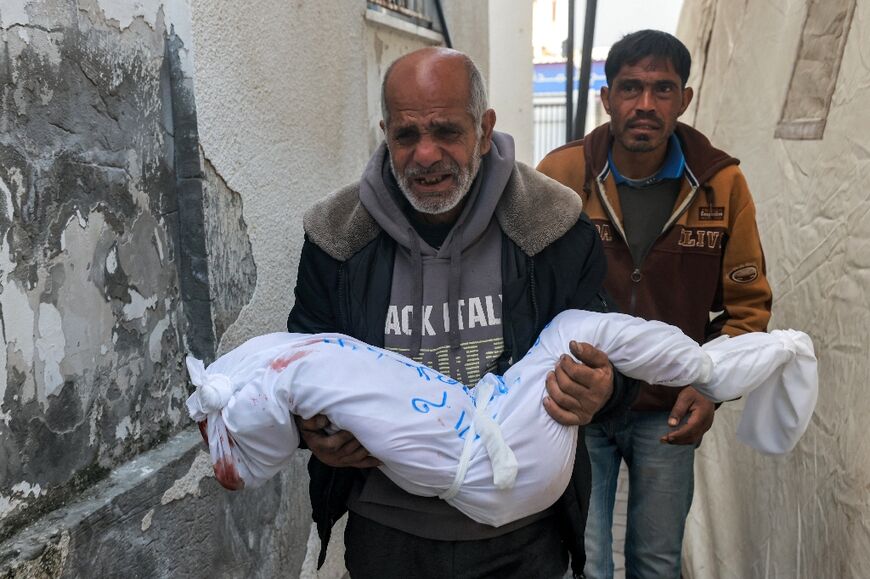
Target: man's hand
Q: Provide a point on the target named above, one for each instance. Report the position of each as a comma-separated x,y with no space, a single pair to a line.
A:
578,391
340,450
699,410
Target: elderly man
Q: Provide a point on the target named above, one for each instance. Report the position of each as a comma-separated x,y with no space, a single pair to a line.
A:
450,252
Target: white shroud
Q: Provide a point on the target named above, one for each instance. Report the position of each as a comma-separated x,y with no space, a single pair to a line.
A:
492,452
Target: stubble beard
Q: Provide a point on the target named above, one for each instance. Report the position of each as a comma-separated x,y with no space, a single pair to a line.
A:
643,143
444,202
639,146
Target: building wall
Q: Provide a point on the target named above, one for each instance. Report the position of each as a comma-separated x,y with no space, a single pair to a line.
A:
90,257
285,120
104,287
156,158
510,72
805,514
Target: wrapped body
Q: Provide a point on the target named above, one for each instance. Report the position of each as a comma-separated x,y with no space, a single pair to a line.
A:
491,451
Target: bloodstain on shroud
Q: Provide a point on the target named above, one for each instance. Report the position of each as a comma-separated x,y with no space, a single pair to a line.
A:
225,470
279,364
226,473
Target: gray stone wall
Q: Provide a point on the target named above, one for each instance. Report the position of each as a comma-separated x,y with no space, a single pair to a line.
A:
145,214
104,281
164,515
91,311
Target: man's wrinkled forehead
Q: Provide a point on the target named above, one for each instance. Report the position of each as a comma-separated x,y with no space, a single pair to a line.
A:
427,81
661,64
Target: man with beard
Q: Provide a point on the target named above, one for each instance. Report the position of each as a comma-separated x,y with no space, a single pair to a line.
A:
450,252
678,225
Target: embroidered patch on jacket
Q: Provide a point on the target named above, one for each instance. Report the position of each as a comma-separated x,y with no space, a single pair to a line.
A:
711,213
701,238
604,231
744,274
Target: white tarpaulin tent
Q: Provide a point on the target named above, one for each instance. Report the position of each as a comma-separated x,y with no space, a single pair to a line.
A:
785,87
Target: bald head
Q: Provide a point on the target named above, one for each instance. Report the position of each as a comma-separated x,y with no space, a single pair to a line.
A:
430,68
437,129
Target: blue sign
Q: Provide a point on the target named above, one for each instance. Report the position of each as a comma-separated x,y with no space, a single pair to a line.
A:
550,77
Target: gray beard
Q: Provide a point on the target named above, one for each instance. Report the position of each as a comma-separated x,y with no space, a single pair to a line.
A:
464,178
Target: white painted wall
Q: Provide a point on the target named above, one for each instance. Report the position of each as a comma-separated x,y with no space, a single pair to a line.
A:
510,71
288,105
283,118
288,102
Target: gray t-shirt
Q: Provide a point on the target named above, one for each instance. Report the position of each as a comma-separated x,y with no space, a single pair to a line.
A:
645,210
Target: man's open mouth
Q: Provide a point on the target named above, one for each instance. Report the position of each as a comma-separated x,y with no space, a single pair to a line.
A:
432,179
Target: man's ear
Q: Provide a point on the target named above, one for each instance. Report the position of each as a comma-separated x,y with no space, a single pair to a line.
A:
688,93
605,98
487,124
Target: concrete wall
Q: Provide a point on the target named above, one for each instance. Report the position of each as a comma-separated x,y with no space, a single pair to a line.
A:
105,212
285,120
90,255
155,161
511,71
805,514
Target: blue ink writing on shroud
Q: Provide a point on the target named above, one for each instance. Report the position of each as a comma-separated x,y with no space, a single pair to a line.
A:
423,406
459,422
422,370
461,433
446,380
376,351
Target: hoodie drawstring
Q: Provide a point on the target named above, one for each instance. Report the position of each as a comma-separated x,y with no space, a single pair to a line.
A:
453,290
417,310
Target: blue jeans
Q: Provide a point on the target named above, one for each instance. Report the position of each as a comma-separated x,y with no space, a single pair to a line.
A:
660,486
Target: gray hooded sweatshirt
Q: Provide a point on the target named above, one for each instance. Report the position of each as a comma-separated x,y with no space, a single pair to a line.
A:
445,311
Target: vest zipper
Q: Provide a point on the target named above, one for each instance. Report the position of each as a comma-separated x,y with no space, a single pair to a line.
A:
533,292
342,306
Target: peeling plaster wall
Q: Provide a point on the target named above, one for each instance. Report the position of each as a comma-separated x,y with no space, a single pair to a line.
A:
89,303
288,103
282,122
107,214
155,161
292,116
806,514
232,273
164,515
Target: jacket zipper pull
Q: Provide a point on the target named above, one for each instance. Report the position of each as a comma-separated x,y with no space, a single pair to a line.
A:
636,276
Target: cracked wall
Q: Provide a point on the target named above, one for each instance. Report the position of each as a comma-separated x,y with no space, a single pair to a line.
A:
232,271
292,116
163,514
96,135
142,217
806,514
